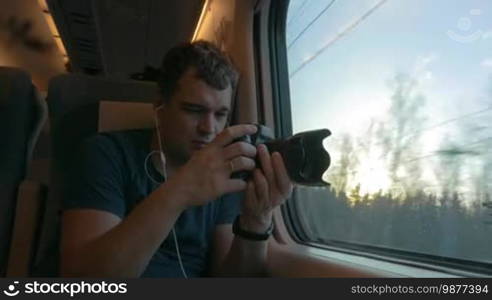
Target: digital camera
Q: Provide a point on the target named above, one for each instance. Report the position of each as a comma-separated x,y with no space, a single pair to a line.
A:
303,153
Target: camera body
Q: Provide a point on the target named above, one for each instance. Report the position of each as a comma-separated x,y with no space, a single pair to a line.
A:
303,153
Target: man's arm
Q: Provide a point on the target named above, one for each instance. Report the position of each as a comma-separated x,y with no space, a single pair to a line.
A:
270,187
234,256
98,243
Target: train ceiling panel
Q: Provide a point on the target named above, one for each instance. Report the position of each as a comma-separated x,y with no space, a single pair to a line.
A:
120,37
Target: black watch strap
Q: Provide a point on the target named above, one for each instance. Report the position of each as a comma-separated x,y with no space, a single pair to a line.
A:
237,230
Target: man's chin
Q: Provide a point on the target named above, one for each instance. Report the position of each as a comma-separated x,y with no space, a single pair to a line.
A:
179,158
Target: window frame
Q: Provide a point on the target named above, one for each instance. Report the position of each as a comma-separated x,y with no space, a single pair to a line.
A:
405,262
282,114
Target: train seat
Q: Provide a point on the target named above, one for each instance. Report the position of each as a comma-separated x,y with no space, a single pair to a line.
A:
22,114
80,106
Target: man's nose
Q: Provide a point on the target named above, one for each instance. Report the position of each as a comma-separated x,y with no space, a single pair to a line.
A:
207,124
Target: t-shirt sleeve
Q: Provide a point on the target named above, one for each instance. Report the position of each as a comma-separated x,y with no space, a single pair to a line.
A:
228,208
96,180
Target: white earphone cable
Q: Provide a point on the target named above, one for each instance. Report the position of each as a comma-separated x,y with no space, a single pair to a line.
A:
147,170
164,174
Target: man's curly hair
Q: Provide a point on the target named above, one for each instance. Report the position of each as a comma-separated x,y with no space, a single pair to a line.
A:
210,63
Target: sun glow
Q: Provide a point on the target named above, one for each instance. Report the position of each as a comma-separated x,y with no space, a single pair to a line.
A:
372,176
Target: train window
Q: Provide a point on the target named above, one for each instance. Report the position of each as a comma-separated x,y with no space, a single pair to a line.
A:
406,89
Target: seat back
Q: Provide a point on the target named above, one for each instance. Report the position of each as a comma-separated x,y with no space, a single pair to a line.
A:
75,103
21,117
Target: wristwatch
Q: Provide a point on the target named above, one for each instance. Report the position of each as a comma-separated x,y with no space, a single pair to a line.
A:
249,235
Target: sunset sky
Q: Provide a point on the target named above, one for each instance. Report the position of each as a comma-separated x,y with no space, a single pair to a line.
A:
342,67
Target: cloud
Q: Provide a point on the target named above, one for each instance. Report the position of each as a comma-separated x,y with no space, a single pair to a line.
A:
424,61
487,35
486,63
422,70
427,76
475,12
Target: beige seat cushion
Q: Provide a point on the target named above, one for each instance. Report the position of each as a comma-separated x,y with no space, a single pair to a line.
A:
115,115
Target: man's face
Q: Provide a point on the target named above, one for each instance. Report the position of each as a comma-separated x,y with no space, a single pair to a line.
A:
192,117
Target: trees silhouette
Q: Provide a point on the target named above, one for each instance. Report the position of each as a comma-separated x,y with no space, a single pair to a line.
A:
452,220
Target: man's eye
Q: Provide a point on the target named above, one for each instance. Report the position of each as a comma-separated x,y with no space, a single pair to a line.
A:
221,115
193,110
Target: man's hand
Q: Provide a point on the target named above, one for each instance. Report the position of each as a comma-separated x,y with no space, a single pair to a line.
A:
207,175
269,187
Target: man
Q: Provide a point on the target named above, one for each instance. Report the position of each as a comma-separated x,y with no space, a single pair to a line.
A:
118,219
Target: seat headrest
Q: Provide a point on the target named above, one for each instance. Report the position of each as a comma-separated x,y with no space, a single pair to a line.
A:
116,115
19,115
78,103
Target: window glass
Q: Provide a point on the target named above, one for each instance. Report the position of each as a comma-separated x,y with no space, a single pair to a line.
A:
406,89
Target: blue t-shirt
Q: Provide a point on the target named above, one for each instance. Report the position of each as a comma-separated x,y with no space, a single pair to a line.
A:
110,175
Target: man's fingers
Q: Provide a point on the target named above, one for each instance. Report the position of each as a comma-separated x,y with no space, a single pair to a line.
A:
241,163
266,164
231,133
235,185
261,186
250,192
283,180
239,149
